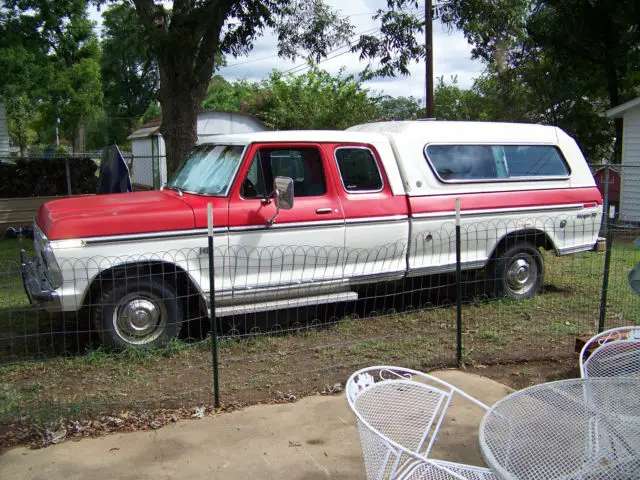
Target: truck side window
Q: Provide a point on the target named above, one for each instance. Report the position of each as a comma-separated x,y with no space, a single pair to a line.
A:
495,162
358,169
303,165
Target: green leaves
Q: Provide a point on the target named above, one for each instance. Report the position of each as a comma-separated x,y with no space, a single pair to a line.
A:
314,100
51,55
313,28
129,71
397,44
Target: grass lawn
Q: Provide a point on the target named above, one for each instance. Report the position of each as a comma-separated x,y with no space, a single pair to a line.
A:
12,294
262,367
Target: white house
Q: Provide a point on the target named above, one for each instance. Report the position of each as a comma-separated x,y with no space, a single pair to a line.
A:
4,133
630,171
149,152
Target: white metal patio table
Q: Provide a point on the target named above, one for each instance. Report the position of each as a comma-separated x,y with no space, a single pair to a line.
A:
586,428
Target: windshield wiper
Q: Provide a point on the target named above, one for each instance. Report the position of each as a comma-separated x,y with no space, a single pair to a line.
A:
173,187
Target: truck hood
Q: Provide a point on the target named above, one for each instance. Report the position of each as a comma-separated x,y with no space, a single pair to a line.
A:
114,214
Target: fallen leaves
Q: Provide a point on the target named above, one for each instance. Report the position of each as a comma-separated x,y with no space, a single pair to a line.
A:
33,435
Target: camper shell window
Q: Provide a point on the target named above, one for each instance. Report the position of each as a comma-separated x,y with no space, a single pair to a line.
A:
473,163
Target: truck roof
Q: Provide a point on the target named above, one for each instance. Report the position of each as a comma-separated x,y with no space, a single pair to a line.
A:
319,136
463,132
423,131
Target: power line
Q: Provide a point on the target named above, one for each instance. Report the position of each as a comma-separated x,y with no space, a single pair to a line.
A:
304,66
248,61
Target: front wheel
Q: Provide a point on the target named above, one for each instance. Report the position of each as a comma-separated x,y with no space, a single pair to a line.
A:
518,271
138,313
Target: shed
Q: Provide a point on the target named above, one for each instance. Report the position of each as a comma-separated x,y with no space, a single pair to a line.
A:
148,148
4,133
614,185
630,168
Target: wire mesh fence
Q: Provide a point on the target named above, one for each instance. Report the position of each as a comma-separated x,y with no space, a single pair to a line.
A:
296,319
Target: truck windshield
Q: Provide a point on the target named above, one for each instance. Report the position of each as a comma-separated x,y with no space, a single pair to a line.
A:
208,170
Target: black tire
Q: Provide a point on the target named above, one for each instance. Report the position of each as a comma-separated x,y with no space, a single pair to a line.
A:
138,312
518,271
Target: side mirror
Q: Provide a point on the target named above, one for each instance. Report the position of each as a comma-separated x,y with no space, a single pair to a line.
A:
283,195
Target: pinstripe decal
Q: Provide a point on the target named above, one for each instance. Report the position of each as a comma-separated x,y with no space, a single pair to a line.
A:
493,211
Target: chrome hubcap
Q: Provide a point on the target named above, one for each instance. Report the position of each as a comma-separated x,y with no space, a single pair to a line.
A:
139,318
521,274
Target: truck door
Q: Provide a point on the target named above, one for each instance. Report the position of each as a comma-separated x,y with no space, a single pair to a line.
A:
301,245
377,225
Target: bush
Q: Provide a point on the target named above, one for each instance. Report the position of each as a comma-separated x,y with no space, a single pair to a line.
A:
41,176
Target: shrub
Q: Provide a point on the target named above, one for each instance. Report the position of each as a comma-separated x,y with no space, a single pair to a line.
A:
42,176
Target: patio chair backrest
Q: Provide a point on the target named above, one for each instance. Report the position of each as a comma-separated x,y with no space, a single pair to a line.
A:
405,411
399,412
612,353
403,405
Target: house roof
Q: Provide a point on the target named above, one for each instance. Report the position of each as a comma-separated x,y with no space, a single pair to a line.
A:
620,110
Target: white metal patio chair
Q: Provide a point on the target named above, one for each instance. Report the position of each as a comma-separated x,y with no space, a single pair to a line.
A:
612,353
399,412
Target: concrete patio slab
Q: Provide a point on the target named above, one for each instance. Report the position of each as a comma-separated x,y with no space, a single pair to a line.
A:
313,438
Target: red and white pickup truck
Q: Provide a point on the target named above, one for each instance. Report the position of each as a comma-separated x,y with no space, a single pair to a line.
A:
304,217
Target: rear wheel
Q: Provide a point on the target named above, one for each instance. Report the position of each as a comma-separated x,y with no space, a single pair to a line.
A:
143,312
518,271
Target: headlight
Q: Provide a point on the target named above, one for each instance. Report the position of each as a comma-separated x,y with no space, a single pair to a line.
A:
45,251
52,269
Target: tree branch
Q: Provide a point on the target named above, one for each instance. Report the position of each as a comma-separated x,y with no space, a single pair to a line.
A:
152,16
216,13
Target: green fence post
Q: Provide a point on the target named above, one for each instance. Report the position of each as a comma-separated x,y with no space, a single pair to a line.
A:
458,288
607,257
212,311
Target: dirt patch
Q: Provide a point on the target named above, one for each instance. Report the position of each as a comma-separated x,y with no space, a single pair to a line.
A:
95,419
525,374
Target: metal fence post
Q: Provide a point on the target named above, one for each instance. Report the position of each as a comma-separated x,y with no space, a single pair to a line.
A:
607,256
212,311
68,174
458,288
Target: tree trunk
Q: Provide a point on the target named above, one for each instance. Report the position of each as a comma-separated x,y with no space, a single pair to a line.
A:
178,129
78,138
617,153
613,85
181,93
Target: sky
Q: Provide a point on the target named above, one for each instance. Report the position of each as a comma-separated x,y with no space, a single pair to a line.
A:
451,55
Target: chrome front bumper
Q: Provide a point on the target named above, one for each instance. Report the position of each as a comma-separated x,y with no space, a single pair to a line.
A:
34,281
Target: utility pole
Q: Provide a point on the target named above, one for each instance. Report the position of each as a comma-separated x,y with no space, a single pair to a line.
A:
428,33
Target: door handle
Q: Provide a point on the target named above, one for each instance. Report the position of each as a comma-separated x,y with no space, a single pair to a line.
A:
322,211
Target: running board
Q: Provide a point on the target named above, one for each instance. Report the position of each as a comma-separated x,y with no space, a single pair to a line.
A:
282,304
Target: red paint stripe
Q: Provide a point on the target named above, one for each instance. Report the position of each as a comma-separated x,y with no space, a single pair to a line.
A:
495,200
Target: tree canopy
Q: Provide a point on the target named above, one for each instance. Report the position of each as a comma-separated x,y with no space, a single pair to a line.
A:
551,61
129,70
52,57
